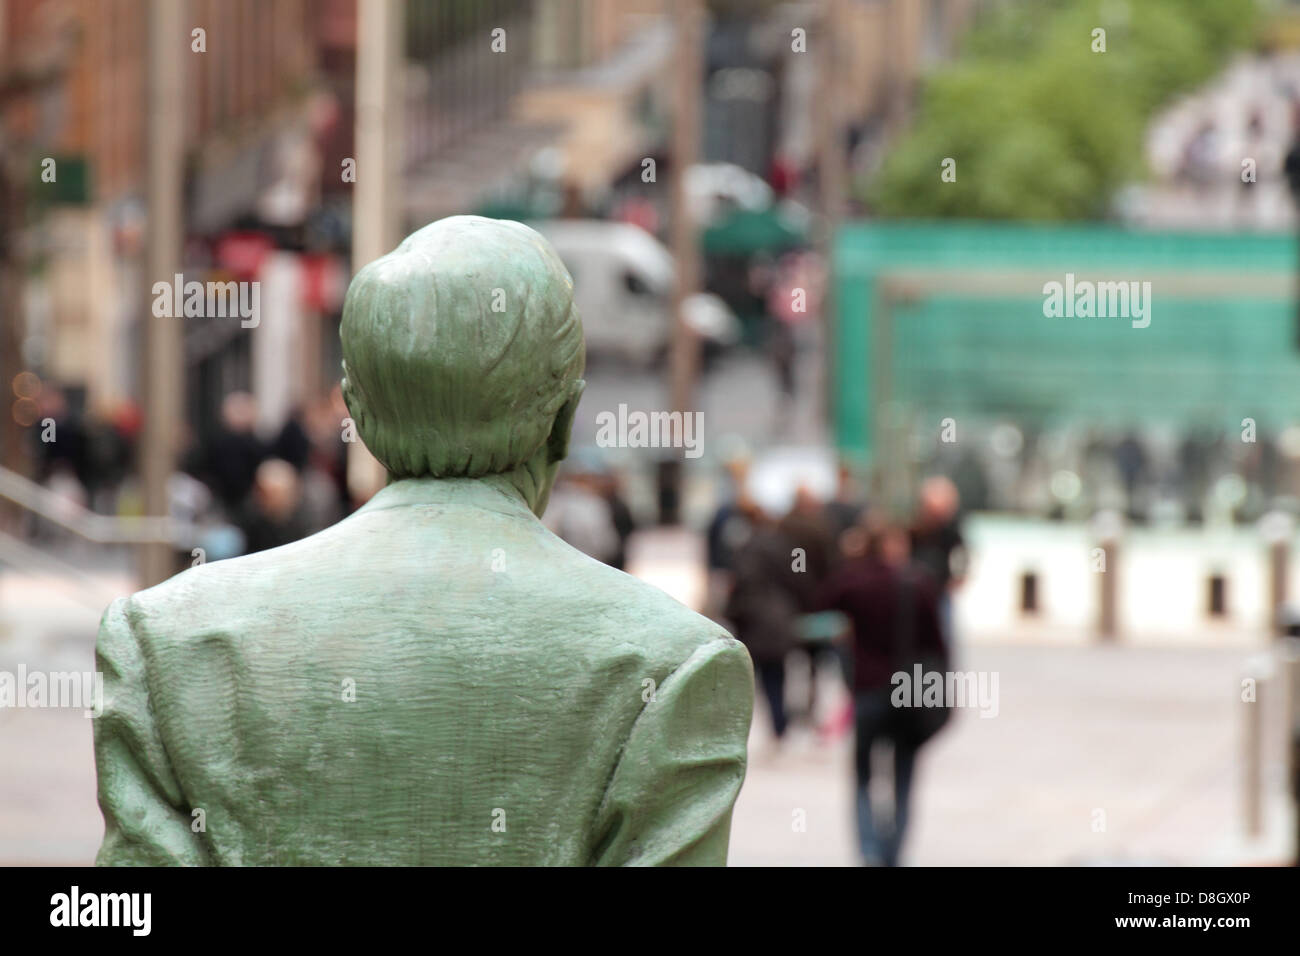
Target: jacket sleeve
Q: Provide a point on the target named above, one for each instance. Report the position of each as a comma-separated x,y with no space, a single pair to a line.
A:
670,797
146,821
929,630
829,594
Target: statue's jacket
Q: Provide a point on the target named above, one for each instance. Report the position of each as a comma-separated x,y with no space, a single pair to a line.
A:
435,680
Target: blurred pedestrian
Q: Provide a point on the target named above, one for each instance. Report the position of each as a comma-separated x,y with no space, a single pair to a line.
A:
844,510
60,442
806,527
111,452
293,444
813,552
765,604
844,514
610,485
273,514
579,512
938,546
894,610
1131,460
231,459
321,460
729,528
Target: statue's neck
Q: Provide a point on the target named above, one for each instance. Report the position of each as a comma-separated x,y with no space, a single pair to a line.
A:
509,491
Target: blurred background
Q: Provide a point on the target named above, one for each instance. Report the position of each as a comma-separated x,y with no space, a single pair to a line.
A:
826,226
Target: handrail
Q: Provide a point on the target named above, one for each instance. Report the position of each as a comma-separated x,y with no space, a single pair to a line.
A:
101,529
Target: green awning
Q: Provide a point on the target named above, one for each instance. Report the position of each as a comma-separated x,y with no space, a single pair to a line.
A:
747,232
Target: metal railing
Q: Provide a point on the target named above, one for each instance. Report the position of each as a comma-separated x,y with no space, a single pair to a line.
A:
105,530
101,529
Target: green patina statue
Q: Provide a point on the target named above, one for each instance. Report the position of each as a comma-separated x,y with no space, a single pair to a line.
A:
436,679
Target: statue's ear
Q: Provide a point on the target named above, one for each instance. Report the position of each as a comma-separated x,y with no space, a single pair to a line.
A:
557,445
345,388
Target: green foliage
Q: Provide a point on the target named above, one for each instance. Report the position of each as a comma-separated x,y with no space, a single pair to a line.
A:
1043,128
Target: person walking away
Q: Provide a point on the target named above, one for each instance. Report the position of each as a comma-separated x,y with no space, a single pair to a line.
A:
764,605
806,528
728,529
845,510
894,609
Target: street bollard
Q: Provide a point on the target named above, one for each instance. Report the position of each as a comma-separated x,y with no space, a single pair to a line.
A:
1277,528
1289,658
1106,528
1254,696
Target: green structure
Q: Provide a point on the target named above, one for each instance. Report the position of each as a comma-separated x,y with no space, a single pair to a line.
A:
436,679
939,320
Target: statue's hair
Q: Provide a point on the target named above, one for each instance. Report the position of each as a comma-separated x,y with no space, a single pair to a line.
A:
459,349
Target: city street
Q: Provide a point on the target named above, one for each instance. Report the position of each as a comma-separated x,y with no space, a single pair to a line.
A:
936,355
738,397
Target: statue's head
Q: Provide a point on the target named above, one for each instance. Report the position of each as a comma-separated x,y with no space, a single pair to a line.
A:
463,355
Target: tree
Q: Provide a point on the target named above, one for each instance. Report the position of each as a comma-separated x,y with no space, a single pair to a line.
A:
1041,123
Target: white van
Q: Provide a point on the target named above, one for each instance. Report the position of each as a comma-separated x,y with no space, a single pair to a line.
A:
623,281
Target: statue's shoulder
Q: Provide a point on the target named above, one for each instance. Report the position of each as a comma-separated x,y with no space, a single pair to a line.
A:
628,610
229,590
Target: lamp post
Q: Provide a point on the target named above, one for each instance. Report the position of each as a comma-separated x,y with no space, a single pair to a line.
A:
684,357
163,355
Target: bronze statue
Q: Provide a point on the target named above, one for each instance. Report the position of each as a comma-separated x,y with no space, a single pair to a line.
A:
437,679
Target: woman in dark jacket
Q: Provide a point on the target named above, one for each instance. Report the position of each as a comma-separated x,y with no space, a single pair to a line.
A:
893,606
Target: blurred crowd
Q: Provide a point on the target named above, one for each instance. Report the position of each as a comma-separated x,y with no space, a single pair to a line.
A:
242,488
1196,146
1154,475
841,584
836,591
588,509
253,493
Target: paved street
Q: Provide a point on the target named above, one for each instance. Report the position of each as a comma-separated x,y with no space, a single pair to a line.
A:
737,397
1149,736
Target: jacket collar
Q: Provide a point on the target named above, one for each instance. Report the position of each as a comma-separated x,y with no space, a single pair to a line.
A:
448,492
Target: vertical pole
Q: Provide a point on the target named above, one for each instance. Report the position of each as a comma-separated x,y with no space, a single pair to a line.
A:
13,450
685,349
1108,618
1278,564
375,219
1290,674
1277,529
1252,745
831,177
1107,527
887,416
830,148
13,185
163,370
376,213
685,147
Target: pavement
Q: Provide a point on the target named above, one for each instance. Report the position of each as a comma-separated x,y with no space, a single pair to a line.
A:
1097,756
738,398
